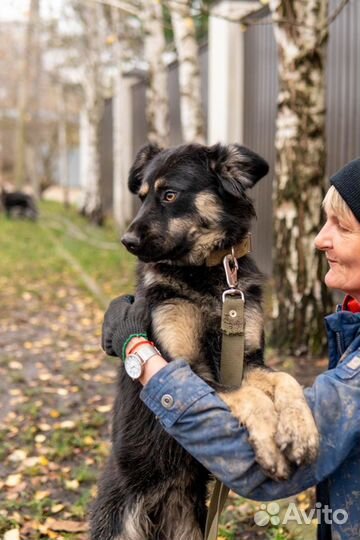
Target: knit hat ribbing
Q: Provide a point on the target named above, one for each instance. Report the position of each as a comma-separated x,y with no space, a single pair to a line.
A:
347,182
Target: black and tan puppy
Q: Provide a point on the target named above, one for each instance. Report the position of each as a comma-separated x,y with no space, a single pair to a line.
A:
194,210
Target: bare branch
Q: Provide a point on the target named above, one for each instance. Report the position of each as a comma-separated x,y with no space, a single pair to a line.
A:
119,4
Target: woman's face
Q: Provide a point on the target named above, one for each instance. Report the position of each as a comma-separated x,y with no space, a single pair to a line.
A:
340,240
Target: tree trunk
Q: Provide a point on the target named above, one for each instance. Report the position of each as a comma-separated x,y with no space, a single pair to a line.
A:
192,118
25,96
63,146
93,21
34,140
300,298
122,198
93,207
157,103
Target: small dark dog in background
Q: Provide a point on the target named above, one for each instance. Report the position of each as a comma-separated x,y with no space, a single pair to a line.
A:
18,204
195,208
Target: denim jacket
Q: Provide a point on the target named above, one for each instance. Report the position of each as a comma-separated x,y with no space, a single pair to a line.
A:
192,413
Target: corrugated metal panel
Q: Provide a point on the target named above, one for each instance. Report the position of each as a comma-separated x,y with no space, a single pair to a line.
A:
260,92
343,87
261,86
139,129
343,107
138,97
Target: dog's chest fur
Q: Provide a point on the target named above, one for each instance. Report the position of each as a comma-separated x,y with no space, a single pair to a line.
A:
186,302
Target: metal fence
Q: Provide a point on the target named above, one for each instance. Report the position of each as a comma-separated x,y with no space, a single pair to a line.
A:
342,101
138,100
260,96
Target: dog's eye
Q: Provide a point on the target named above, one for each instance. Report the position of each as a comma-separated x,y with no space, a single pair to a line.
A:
169,196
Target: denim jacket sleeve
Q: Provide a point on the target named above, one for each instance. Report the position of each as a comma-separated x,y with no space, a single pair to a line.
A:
192,413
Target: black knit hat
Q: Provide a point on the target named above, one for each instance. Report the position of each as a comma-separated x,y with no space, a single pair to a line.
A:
347,183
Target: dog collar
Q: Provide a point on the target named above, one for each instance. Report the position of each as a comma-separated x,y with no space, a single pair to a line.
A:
241,249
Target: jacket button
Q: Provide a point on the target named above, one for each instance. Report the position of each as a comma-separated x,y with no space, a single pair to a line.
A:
167,401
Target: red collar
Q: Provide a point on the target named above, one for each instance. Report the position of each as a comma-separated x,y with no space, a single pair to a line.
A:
350,304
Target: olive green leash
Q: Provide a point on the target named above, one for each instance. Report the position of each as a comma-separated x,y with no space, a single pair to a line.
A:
231,371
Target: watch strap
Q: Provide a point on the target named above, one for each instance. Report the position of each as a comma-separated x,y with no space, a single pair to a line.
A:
145,352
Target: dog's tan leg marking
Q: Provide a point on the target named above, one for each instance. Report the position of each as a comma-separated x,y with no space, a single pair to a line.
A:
177,327
136,523
256,411
296,433
254,325
177,521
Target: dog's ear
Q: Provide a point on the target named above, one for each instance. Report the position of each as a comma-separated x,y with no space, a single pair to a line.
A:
144,155
237,167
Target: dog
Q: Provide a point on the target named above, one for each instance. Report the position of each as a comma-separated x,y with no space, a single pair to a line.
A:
19,204
194,209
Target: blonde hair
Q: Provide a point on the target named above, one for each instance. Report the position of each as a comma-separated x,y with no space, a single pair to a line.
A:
334,201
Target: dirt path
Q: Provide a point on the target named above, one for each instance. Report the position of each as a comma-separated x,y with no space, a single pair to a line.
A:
56,389
56,392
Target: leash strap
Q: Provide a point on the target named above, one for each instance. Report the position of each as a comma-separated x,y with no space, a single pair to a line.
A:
232,347
231,373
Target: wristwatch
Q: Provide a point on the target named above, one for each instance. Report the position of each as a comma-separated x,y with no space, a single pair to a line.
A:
134,362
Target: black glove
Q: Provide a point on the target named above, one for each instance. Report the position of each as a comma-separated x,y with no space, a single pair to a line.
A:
124,318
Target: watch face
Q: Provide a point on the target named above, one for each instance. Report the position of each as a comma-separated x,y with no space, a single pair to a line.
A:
133,366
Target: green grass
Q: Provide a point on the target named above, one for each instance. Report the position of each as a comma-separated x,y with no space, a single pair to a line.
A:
28,254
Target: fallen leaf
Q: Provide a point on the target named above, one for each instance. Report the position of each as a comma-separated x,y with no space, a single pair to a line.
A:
31,461
44,427
56,508
103,408
67,424
62,525
13,480
44,376
17,455
15,365
72,484
88,440
13,534
40,495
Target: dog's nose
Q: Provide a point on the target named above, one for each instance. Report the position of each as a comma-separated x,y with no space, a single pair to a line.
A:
130,241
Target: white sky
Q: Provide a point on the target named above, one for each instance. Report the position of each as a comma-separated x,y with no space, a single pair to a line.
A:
17,10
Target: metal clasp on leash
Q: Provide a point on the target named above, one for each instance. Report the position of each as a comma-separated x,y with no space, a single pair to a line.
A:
231,267
231,271
233,292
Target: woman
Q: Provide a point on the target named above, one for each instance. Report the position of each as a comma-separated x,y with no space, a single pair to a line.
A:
195,416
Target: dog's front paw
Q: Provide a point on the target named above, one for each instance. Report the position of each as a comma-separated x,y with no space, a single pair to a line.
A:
257,413
296,435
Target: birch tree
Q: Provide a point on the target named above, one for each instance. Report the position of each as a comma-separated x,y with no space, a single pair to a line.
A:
126,47
27,107
63,144
93,42
301,299
157,101
192,118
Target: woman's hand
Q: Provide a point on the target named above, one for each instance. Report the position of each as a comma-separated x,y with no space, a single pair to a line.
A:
125,317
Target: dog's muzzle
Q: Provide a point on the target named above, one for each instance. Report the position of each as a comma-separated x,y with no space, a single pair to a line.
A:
131,241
